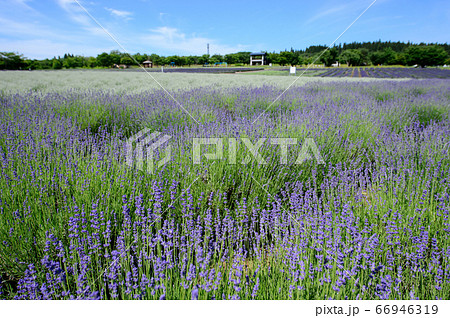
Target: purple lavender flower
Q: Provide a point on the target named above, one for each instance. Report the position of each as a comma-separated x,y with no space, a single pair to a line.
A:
194,294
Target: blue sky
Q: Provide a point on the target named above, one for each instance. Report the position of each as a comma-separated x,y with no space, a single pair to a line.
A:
47,28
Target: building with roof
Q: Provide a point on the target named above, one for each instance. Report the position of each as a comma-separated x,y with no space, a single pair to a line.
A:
258,58
147,63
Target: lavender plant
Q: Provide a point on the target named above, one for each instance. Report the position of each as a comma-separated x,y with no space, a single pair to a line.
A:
371,223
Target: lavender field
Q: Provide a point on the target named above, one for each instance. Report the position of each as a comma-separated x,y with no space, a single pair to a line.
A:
375,72
359,72
76,222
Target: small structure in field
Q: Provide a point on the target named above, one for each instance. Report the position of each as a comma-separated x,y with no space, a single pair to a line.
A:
258,58
119,66
147,63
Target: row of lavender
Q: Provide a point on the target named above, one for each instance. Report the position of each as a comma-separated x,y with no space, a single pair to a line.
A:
322,72
377,72
373,222
389,73
373,72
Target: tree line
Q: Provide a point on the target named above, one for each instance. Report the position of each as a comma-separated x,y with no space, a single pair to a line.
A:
352,54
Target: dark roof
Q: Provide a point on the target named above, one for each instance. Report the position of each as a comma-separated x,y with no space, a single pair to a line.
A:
258,53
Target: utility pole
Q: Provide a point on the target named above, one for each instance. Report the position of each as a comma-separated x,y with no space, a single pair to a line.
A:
207,48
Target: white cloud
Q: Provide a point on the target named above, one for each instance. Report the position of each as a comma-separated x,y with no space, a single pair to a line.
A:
120,14
22,3
10,27
172,39
326,13
76,13
15,7
45,48
79,15
68,5
333,11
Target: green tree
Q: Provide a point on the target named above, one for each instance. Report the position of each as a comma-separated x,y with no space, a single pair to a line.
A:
426,55
388,56
351,56
80,61
127,60
91,62
11,61
364,56
156,59
376,58
204,59
56,64
191,60
230,58
216,58
174,59
115,56
308,60
385,57
32,64
140,58
400,59
273,58
182,61
285,58
329,57
104,60
300,60
164,61
45,64
69,62
243,57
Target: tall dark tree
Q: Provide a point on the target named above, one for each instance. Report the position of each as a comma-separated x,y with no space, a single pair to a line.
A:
104,60
217,58
273,58
155,58
426,55
329,57
376,58
204,59
11,61
191,60
56,64
115,56
127,60
139,57
243,57
91,62
351,56
285,58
